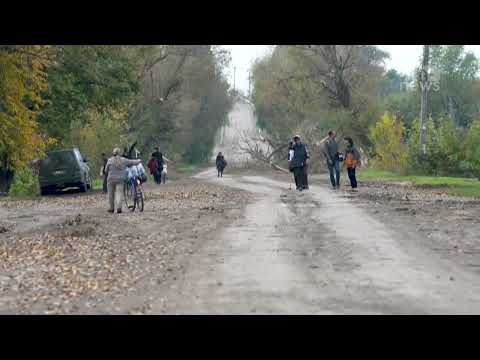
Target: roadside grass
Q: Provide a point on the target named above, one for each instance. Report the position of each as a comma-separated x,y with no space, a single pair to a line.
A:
97,183
185,168
452,185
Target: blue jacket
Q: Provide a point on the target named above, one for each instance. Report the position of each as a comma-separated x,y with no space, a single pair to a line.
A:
300,155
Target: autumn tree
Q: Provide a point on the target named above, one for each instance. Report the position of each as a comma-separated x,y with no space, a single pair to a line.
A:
22,79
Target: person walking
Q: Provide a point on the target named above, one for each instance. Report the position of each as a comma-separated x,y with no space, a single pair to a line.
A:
333,160
298,163
290,158
104,173
154,169
115,169
352,159
221,164
160,160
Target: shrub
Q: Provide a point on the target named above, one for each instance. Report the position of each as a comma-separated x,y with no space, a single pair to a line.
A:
389,149
472,148
443,144
24,184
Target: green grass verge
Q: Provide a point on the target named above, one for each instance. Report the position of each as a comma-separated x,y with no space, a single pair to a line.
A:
98,183
185,168
452,185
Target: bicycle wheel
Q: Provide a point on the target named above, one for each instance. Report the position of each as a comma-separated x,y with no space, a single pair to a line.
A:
144,194
130,194
140,195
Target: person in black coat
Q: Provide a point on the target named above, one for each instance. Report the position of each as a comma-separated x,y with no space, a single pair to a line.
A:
220,163
159,156
104,160
299,162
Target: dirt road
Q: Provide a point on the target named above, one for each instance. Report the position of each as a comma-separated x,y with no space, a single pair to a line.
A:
243,244
65,254
315,252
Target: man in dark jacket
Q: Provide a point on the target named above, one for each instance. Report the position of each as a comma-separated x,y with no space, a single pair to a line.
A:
159,156
333,160
221,163
104,159
298,163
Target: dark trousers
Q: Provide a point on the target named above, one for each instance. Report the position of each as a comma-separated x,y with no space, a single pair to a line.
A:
156,176
300,176
334,170
351,176
305,177
105,184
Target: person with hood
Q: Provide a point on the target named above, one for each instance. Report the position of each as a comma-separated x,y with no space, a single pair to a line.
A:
115,169
298,163
352,159
154,168
221,163
333,159
103,172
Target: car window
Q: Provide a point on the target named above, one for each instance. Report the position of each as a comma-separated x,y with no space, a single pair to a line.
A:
58,159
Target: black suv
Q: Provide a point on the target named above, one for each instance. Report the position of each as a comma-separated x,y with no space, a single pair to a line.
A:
63,169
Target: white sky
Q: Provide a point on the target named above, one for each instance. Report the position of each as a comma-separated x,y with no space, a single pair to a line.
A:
403,58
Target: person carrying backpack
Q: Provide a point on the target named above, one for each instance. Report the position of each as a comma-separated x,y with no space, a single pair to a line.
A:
352,159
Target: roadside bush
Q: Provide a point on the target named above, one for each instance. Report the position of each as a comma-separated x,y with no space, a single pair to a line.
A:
444,155
389,149
472,148
24,184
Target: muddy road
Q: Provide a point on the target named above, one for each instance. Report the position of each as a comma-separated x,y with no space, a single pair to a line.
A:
316,252
244,244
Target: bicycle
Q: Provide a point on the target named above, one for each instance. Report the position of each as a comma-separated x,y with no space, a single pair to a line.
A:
134,193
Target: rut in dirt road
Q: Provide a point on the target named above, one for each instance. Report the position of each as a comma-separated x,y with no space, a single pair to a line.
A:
313,253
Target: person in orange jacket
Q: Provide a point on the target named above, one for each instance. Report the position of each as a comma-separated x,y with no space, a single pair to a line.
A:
352,159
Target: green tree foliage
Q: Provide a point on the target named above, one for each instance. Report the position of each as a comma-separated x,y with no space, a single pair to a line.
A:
444,149
183,101
85,80
394,83
472,148
457,74
24,184
318,87
100,96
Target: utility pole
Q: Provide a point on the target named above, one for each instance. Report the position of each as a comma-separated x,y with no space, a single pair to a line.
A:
424,86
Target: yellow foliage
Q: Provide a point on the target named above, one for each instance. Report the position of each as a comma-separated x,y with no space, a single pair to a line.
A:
101,133
22,79
390,151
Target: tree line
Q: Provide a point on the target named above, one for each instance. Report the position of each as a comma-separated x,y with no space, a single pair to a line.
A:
100,96
313,88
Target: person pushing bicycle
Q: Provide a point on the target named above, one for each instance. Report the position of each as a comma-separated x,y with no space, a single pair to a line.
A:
115,169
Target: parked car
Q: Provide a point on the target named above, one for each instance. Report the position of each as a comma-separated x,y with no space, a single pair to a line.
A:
63,169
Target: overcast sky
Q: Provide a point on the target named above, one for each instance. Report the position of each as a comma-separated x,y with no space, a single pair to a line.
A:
403,58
